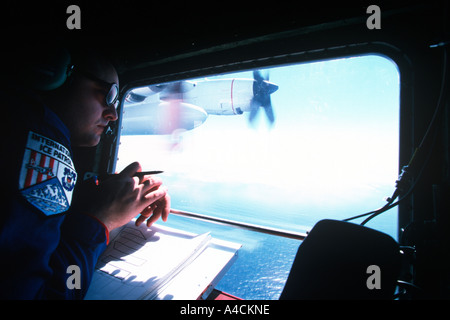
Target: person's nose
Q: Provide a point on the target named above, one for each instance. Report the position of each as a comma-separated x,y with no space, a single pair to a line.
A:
110,113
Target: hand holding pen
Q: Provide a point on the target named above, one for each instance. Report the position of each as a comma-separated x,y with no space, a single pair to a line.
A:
115,199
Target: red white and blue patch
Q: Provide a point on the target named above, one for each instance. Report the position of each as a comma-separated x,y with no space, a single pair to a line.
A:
47,176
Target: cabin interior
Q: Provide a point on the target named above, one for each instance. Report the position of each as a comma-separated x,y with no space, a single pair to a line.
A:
156,43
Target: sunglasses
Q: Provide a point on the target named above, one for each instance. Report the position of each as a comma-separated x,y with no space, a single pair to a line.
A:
112,97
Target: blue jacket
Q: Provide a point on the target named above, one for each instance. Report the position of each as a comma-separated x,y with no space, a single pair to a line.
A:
40,236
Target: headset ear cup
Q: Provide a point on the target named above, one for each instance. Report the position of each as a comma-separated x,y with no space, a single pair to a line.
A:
48,69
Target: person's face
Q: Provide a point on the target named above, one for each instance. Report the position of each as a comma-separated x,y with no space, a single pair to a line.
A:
86,113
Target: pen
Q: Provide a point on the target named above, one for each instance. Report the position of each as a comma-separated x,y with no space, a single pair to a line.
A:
137,174
96,177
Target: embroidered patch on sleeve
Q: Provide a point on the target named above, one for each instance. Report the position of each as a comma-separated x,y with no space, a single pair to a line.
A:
47,176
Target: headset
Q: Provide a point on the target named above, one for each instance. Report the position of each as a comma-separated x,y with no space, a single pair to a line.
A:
50,66
47,69
37,64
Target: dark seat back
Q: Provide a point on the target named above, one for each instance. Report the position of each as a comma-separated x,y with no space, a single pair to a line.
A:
334,262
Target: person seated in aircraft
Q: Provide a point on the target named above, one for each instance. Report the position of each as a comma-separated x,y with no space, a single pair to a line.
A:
48,232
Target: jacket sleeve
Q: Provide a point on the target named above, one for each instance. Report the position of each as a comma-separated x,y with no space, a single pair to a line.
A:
38,254
83,239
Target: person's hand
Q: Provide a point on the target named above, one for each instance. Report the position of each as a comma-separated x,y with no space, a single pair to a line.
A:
118,199
159,208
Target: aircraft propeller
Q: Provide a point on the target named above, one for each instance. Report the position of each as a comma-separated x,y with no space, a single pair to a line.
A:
262,89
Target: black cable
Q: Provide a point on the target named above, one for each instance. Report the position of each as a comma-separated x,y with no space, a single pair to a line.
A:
391,205
405,174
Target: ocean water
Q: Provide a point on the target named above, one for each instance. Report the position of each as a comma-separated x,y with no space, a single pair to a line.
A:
263,262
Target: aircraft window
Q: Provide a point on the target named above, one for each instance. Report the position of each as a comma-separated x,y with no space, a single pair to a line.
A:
282,147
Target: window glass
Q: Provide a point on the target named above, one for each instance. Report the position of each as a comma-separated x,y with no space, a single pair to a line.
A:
282,147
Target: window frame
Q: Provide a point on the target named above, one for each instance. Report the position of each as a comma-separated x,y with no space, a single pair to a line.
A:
386,50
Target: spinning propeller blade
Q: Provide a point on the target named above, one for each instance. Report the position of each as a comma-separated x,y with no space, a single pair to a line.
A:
262,89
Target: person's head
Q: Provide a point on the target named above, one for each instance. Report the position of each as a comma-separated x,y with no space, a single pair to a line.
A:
81,102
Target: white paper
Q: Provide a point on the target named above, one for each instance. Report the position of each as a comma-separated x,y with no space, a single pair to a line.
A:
140,261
